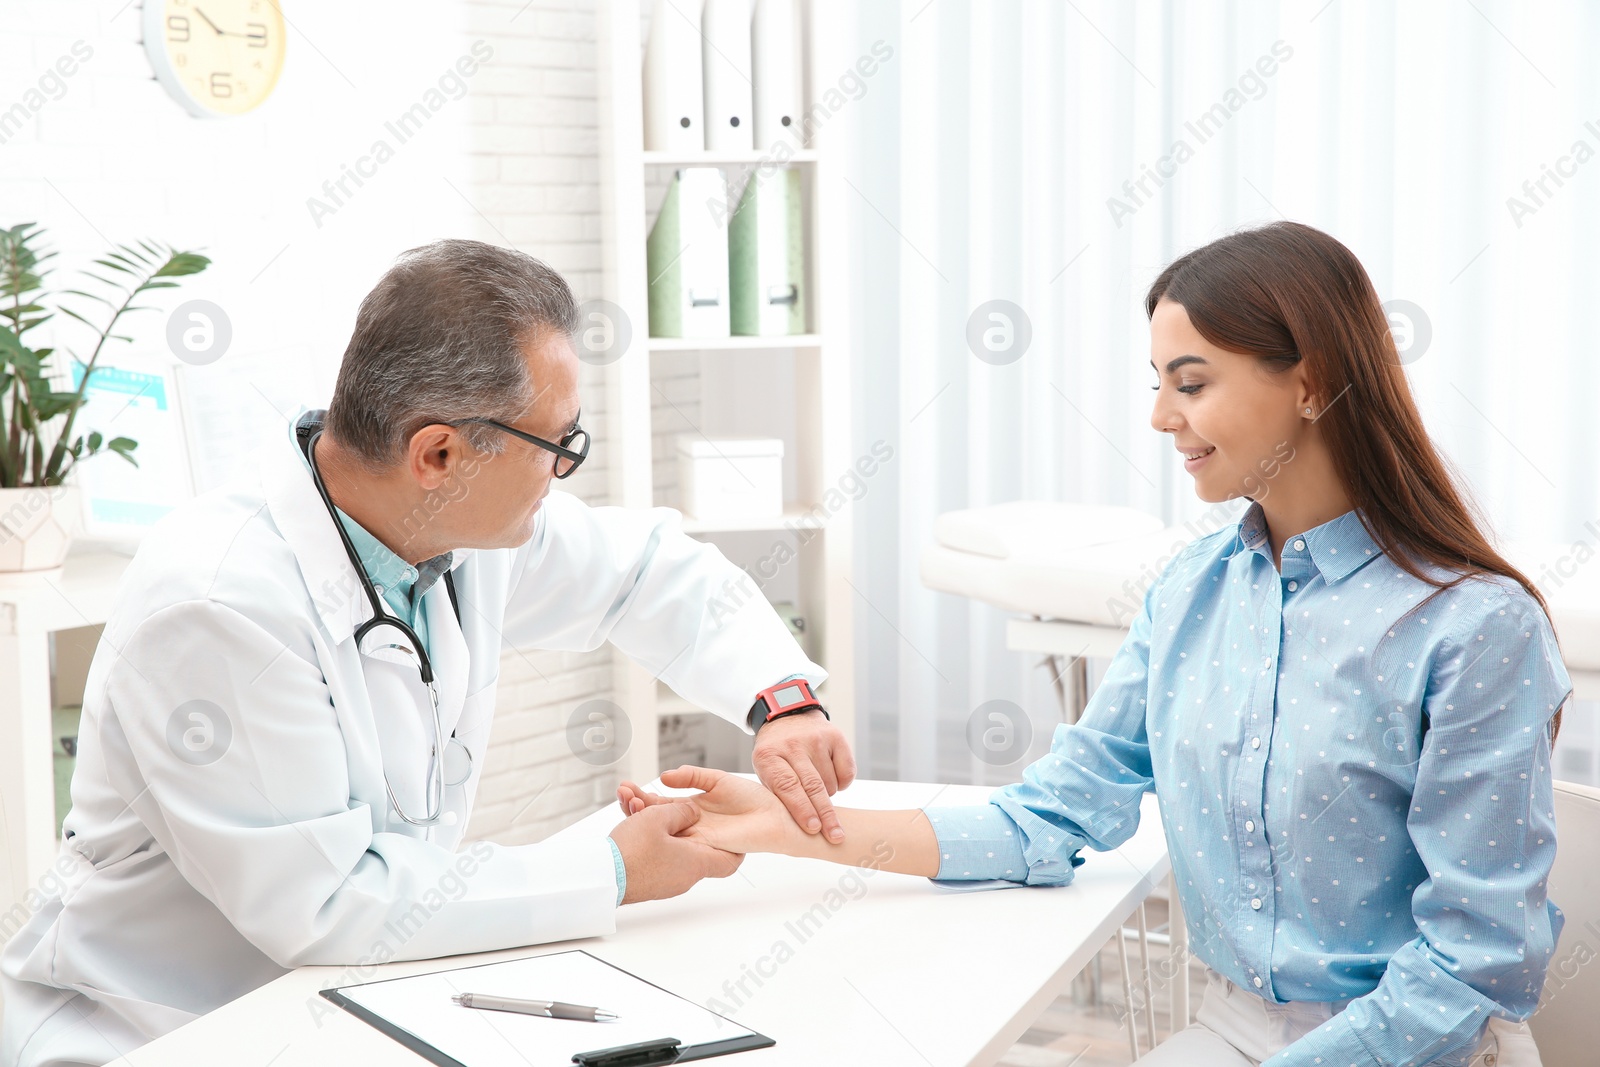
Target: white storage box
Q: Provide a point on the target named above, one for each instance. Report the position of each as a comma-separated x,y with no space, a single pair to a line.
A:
730,478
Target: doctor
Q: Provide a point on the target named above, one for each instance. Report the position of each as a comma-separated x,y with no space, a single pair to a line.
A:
286,720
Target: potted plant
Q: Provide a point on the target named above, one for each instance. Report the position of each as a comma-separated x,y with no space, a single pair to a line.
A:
40,441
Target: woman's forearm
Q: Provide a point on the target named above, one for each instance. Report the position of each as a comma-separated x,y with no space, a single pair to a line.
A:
898,841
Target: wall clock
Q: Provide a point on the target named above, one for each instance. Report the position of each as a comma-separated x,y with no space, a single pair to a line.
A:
215,57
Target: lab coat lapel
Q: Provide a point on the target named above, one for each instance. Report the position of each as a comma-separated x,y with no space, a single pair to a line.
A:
303,519
448,649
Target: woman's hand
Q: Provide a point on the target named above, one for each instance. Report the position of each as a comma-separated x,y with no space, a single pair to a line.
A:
736,814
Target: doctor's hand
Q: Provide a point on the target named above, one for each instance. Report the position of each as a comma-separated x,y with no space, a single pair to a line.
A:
661,863
736,814
805,759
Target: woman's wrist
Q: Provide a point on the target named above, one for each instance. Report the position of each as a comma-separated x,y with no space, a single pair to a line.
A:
769,831
899,841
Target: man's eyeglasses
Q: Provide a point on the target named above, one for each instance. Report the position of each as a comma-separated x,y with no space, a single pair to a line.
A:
570,452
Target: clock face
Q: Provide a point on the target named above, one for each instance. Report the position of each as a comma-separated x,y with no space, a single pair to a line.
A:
216,57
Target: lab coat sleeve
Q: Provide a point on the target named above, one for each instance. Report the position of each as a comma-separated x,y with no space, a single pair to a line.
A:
239,770
674,605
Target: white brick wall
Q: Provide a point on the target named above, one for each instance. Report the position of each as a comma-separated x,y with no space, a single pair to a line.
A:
113,159
538,150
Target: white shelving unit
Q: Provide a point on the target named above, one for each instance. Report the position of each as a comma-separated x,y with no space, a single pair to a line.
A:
817,389
32,607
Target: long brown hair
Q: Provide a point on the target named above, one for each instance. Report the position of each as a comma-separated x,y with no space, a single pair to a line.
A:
1286,292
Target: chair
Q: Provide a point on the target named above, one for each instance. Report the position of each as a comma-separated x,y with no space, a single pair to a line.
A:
1566,1025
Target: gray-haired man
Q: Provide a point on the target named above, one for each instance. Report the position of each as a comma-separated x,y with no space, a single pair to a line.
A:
286,722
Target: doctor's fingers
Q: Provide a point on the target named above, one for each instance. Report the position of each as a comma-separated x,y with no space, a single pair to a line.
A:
715,863
796,781
831,752
679,819
844,764
649,800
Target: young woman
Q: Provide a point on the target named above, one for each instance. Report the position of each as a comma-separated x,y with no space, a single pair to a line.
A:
1345,703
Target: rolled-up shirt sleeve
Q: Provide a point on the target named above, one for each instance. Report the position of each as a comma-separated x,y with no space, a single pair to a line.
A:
1085,792
1482,821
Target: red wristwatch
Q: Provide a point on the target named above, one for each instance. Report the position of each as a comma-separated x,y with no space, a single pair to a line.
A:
788,698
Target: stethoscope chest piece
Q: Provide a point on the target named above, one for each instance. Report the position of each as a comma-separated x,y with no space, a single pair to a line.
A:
457,762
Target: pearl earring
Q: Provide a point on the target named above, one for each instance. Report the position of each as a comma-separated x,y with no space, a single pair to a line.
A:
1308,411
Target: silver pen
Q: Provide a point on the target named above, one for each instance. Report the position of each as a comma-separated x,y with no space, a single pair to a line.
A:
550,1009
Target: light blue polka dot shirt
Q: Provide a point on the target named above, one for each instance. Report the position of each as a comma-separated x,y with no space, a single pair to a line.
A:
1353,772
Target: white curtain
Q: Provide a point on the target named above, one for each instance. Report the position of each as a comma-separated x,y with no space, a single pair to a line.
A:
1057,154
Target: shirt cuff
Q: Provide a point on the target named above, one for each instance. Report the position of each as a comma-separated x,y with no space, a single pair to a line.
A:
976,843
622,871
1334,1043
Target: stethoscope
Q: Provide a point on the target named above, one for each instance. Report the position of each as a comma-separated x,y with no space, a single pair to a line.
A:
456,766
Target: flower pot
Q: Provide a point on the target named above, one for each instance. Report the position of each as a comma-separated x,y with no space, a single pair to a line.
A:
37,527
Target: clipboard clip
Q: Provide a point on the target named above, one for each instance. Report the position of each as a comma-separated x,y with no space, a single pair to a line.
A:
662,1050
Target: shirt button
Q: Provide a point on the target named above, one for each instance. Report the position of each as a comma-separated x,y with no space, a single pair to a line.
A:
1255,742
1255,902
1250,828
1298,544
1293,585
1257,981
378,589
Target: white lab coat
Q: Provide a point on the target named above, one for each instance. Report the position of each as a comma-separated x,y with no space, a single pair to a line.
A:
188,885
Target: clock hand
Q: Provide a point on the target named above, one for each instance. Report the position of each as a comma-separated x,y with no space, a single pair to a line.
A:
213,25
220,31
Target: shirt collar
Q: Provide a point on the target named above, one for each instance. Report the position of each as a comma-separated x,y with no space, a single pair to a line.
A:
1337,548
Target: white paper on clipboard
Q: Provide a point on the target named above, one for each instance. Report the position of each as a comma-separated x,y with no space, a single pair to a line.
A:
421,1006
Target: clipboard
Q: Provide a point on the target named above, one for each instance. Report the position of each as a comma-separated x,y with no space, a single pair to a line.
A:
416,1011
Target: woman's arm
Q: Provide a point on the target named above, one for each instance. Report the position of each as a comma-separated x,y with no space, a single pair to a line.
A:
1030,832
738,815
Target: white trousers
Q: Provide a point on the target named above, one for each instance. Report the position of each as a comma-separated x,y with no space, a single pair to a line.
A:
1236,1028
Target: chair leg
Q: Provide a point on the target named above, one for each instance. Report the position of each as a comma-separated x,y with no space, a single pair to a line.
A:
1178,955
1127,994
1080,687
1144,965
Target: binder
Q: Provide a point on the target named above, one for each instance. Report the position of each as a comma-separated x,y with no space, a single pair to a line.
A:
416,1012
775,54
766,256
687,257
674,103
728,91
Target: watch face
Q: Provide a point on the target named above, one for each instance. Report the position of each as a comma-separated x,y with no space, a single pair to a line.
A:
789,696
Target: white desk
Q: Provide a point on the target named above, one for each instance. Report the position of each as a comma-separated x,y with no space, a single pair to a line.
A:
900,972
33,606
